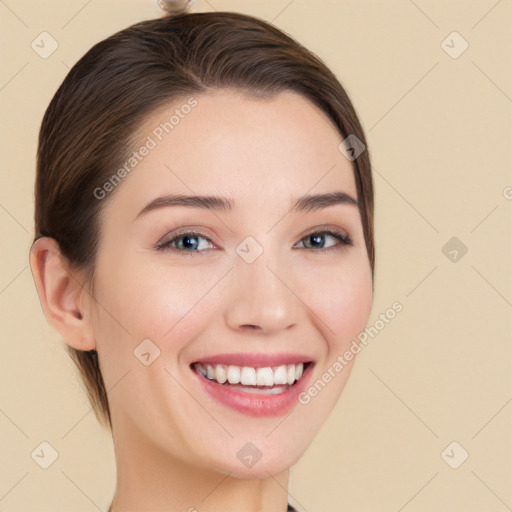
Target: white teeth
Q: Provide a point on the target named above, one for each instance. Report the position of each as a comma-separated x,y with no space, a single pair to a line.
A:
290,375
249,376
280,375
220,374
233,374
264,377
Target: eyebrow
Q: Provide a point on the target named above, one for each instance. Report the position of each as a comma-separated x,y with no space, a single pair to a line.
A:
217,203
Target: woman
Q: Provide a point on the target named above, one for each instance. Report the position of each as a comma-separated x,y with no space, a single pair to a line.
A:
204,246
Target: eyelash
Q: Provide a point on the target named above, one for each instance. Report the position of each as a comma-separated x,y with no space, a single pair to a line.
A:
344,240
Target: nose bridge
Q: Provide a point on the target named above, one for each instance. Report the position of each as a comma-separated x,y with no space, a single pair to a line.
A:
260,296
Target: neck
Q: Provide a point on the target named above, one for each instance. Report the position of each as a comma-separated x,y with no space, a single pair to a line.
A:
150,479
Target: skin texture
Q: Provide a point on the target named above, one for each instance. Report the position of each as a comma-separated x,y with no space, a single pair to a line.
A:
175,447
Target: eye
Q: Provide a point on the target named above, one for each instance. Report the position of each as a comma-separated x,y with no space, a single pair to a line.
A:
185,242
316,240
193,241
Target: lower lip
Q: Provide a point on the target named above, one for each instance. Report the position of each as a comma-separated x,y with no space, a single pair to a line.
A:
256,404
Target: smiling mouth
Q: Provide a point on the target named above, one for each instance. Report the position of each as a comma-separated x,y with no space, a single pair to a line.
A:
270,380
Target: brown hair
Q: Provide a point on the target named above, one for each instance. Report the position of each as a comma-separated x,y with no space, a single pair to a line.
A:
89,127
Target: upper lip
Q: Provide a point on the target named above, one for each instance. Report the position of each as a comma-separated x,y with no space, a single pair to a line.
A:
256,360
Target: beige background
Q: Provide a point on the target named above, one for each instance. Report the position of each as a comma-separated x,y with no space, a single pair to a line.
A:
439,130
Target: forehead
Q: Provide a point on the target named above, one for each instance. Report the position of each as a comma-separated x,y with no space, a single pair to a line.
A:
254,150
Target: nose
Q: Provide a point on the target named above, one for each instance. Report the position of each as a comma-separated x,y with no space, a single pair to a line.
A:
261,297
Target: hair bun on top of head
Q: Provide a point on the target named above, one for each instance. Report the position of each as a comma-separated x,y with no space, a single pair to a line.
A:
175,6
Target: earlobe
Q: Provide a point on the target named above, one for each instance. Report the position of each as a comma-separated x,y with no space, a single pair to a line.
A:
61,293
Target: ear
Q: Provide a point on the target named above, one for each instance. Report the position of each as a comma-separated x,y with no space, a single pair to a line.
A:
62,294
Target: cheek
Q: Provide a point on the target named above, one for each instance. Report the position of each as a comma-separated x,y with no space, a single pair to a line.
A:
343,301
137,300
343,304
151,300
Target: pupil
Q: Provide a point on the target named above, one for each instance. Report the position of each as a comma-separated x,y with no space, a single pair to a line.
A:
188,244
317,239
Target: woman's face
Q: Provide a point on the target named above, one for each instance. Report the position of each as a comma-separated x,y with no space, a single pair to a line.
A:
261,292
